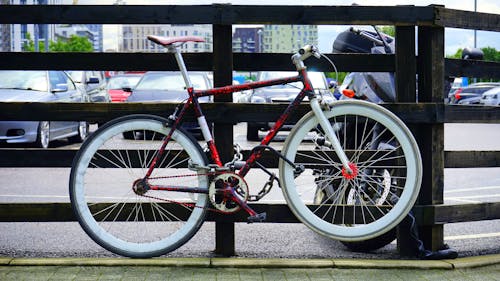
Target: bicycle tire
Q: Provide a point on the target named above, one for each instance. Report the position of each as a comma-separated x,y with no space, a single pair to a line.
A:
367,214
116,213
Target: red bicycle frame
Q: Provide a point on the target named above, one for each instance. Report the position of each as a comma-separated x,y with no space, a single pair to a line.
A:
307,90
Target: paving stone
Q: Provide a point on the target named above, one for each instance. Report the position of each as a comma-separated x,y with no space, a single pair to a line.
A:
250,274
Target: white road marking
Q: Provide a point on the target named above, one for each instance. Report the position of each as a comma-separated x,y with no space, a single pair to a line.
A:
472,236
34,196
472,189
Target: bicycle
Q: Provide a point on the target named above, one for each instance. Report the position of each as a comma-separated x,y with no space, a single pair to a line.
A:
349,170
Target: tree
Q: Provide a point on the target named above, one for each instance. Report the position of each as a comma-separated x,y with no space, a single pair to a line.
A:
73,44
389,30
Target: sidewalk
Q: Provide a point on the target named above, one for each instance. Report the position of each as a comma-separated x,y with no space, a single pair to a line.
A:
469,268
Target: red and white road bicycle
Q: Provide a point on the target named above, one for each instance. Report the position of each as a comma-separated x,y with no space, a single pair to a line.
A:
349,170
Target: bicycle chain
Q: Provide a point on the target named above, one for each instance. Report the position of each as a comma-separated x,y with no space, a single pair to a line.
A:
190,205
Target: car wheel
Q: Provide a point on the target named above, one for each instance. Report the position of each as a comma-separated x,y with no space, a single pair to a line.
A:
252,132
43,136
83,132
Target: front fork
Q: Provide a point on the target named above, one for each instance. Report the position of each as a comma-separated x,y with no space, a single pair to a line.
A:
330,134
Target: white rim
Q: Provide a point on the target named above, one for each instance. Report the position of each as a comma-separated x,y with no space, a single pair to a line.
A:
97,230
358,232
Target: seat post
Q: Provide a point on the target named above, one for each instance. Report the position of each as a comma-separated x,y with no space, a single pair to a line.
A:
182,66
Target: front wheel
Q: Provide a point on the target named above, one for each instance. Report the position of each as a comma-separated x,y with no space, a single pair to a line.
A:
371,200
115,205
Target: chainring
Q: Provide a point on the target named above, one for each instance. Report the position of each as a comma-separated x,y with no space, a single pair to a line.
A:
221,192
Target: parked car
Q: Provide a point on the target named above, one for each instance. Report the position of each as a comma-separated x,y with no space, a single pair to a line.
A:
93,83
169,86
40,86
491,97
120,86
472,93
280,93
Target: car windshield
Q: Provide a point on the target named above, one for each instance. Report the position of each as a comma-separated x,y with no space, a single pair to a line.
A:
317,78
119,82
76,76
170,81
24,80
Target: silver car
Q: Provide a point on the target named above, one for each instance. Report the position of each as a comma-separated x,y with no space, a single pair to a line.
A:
39,86
93,83
169,86
491,97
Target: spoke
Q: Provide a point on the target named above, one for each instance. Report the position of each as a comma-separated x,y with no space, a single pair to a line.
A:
165,212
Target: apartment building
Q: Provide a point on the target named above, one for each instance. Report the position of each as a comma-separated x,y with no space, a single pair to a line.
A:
288,38
134,37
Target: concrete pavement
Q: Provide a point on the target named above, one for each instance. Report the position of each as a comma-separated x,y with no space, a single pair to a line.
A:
469,268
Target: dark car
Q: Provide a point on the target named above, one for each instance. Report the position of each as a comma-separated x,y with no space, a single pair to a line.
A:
169,86
40,86
120,86
471,94
93,83
281,94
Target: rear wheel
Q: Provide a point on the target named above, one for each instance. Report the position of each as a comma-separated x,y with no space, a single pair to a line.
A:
114,203
43,137
354,206
83,132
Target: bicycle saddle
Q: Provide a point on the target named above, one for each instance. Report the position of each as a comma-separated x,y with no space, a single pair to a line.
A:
167,41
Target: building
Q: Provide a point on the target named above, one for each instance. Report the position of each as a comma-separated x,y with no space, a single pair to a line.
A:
288,38
134,37
93,32
247,40
97,35
13,37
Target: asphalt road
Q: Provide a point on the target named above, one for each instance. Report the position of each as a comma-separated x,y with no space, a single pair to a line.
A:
256,240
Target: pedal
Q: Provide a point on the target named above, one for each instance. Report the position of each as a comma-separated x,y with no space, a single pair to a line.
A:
257,218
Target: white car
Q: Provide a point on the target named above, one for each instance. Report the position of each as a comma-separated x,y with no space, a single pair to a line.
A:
491,97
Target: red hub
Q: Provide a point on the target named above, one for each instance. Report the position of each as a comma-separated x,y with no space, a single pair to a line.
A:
354,171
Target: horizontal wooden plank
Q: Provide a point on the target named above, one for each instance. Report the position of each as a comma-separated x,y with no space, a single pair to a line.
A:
36,158
471,114
238,112
215,112
441,214
62,157
467,19
194,62
276,213
472,68
471,159
216,14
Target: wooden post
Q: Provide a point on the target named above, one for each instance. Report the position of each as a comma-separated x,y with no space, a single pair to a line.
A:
405,79
431,137
223,133
406,65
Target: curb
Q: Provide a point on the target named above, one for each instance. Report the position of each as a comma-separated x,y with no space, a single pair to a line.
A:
466,262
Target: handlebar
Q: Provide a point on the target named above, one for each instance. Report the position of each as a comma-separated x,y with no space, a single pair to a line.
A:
304,53
366,35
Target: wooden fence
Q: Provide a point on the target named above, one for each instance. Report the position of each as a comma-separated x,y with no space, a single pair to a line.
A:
425,117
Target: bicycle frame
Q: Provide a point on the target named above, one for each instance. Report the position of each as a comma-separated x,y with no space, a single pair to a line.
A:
307,91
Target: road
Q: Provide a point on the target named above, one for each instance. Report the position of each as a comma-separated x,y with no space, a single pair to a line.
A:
256,240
